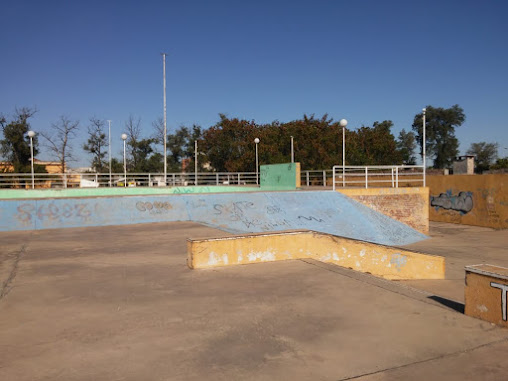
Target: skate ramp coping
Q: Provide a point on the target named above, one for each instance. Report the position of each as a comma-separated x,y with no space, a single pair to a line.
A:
384,261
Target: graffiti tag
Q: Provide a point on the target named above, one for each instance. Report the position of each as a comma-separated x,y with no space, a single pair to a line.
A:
462,203
26,212
153,208
311,218
398,260
236,212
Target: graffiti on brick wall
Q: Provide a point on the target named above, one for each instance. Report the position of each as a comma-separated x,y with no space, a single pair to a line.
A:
462,203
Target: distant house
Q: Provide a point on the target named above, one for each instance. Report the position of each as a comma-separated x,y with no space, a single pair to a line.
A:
464,165
49,166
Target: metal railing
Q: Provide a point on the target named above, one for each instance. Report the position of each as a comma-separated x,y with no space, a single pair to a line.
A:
316,178
383,176
95,180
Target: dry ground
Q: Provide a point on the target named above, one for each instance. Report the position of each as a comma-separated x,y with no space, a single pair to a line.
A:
119,303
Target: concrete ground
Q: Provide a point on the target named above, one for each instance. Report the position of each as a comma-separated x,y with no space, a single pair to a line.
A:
119,303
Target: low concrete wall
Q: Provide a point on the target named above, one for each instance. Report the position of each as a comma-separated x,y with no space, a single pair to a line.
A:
480,200
280,176
119,191
384,261
407,205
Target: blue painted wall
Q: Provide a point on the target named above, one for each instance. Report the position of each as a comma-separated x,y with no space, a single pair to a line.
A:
328,212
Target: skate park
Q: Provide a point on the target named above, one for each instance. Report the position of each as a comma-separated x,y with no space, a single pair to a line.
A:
240,283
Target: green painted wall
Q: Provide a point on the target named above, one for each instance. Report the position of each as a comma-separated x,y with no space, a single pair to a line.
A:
280,176
116,191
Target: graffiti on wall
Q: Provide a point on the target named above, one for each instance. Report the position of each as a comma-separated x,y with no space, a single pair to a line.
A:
462,203
51,211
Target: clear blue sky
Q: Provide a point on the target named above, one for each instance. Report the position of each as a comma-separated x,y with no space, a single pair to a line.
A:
263,60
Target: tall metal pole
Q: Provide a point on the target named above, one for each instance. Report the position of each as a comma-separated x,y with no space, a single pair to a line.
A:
257,164
32,163
343,156
424,150
343,124
109,149
256,141
124,138
292,151
195,162
165,125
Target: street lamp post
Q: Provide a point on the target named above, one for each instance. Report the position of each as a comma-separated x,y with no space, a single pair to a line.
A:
109,149
343,124
124,138
292,151
424,150
31,134
256,141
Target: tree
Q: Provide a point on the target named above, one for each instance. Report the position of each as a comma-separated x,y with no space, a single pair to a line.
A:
406,144
143,158
58,140
15,146
116,165
133,129
485,154
440,133
374,145
500,164
229,145
96,143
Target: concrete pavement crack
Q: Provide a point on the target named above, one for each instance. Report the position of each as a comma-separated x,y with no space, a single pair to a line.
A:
446,355
6,286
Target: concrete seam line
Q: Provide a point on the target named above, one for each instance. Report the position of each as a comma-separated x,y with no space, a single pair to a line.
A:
427,360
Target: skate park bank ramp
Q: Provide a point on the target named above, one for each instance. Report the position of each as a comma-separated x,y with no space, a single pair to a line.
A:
253,212
379,260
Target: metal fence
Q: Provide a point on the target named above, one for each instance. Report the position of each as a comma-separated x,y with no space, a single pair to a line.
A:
95,180
383,176
316,178
353,176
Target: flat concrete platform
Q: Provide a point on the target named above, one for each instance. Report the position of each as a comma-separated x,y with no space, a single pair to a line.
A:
119,303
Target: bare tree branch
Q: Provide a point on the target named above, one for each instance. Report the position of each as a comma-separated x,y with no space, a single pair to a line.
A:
58,140
96,143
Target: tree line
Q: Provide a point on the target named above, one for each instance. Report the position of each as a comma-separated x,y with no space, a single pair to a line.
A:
228,146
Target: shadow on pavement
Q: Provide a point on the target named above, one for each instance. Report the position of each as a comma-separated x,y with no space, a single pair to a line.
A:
459,307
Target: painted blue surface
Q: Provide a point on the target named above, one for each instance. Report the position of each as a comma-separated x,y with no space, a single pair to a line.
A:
327,212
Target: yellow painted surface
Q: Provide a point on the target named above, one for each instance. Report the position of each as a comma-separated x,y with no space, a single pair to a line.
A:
384,261
485,285
480,200
298,175
407,205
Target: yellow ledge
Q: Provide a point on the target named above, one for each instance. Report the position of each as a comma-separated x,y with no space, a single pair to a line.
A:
383,261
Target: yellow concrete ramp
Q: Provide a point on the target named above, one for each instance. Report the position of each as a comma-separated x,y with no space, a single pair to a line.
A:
383,261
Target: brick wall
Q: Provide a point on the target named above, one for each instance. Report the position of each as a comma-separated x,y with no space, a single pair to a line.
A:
407,205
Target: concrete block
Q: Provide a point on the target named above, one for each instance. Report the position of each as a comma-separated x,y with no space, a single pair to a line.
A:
486,293
384,261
